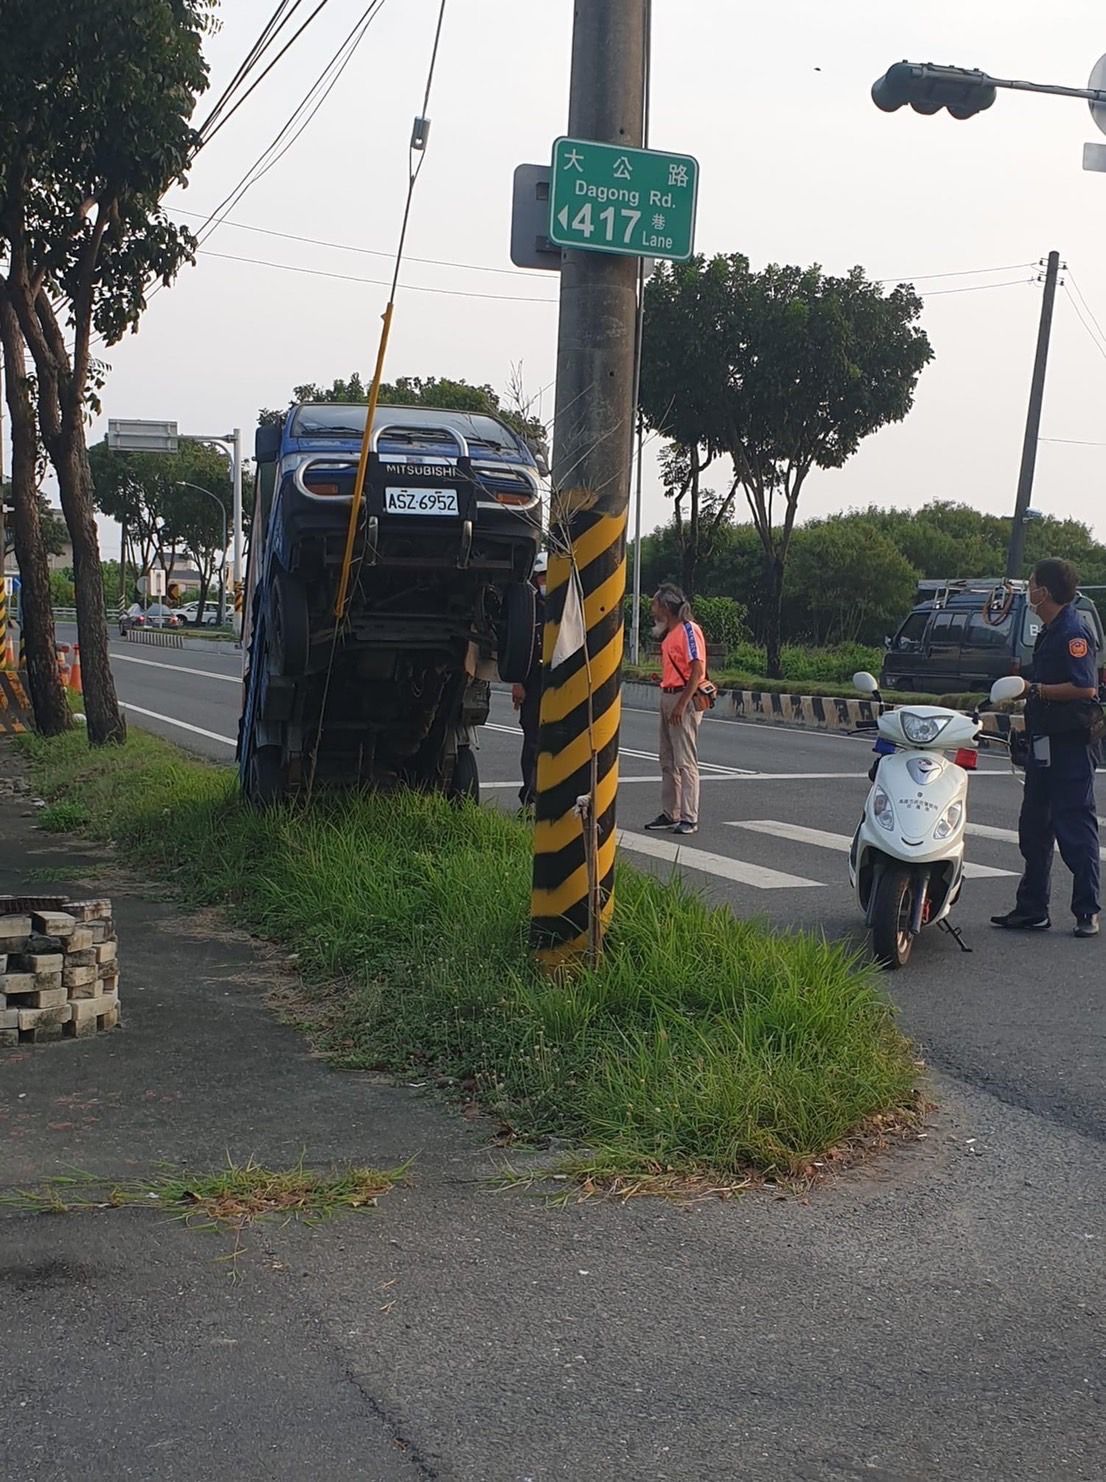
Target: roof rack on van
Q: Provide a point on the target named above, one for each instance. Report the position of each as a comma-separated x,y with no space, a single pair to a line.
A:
993,591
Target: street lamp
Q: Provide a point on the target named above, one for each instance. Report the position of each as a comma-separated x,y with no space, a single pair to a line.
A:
184,484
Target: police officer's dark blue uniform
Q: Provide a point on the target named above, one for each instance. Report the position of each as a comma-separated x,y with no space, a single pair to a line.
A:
1058,805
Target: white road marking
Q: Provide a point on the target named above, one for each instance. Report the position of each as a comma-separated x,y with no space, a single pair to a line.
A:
178,668
171,720
840,842
760,877
1007,835
645,756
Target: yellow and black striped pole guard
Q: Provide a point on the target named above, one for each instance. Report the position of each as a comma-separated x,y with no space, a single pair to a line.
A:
577,718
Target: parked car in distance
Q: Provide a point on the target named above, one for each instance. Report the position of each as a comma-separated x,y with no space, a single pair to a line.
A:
962,635
157,615
190,611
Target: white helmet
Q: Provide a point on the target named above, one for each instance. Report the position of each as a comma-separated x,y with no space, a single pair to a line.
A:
541,564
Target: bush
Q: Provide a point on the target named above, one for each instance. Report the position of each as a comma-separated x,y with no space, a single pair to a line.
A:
700,1043
800,664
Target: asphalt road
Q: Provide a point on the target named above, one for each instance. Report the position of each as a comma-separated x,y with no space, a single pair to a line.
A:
1020,1018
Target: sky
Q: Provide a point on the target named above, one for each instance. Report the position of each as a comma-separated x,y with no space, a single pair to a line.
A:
796,165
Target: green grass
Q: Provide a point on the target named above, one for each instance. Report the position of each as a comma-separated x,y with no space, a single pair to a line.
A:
702,1042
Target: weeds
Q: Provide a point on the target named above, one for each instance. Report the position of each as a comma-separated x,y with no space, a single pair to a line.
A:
701,1045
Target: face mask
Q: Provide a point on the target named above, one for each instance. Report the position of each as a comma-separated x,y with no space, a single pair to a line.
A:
659,629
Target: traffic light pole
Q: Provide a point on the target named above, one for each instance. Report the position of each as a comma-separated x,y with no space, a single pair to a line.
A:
574,831
1015,555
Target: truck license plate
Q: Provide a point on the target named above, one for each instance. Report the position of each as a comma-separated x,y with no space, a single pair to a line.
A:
420,501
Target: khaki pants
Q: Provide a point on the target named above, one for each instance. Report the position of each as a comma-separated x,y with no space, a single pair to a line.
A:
679,753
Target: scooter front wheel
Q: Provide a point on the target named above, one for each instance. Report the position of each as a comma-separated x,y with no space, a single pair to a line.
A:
892,913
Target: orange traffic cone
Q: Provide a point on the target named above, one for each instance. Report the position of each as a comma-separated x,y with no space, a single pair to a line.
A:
75,671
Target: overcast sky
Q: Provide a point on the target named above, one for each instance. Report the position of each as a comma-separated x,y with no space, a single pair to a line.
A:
797,165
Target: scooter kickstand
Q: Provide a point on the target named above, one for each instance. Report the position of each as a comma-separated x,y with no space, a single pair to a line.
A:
954,932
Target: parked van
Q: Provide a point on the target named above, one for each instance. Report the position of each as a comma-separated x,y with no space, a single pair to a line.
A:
963,635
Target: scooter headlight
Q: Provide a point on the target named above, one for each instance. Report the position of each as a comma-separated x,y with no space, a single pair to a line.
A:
921,730
949,821
881,808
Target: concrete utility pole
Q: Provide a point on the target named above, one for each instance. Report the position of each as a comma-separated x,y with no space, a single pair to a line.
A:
1016,550
574,845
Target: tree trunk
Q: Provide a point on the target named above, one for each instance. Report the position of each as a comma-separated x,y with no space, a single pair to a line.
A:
773,614
689,573
47,696
70,459
61,422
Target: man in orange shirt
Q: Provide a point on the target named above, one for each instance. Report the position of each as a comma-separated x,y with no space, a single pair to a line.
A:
683,670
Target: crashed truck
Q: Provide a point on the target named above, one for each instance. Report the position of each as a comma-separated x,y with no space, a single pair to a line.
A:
440,601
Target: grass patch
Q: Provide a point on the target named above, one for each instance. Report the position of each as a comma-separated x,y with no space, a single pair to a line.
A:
737,679
701,1043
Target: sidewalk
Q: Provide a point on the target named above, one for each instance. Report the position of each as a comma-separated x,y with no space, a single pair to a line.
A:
938,1316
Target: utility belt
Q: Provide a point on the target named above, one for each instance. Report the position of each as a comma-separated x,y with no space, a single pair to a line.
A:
1076,720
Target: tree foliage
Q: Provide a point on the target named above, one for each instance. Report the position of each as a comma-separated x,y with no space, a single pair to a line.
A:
781,371
94,107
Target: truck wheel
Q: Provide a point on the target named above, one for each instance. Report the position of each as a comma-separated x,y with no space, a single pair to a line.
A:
466,777
516,634
892,910
265,777
289,626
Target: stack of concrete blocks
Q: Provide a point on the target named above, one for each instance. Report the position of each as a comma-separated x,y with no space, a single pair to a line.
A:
59,969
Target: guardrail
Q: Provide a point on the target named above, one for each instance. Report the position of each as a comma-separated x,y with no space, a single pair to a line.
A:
158,637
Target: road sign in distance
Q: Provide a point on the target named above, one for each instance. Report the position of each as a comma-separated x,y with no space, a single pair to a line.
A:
635,202
142,437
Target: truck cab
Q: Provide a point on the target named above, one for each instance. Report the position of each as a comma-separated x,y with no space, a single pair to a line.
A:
440,601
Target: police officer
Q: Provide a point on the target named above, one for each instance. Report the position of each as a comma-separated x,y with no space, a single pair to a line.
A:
527,697
1058,805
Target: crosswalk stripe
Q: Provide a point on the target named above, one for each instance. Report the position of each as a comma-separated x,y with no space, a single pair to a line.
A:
760,877
841,842
1006,835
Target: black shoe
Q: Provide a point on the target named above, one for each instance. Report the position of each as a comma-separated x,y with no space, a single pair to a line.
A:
685,828
662,824
1018,921
1086,926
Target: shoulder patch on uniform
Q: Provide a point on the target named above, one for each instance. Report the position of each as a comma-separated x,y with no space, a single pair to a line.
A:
1078,648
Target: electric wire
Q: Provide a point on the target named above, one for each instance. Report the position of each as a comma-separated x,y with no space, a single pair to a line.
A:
260,262
226,118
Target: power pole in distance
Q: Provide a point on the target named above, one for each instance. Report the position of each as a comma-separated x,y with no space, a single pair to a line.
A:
581,701
1015,555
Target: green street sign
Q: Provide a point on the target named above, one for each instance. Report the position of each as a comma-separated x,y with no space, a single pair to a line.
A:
636,202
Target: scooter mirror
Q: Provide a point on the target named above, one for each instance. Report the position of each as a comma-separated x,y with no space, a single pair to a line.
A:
1011,687
866,683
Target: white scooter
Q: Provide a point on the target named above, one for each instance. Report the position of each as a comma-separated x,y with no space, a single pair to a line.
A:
906,863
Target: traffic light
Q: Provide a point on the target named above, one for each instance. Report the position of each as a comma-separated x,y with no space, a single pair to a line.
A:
964,91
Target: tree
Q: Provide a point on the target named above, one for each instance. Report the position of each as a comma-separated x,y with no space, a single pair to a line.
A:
94,108
144,492
850,581
784,371
48,699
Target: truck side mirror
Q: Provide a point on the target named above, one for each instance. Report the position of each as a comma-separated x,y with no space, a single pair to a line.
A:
266,444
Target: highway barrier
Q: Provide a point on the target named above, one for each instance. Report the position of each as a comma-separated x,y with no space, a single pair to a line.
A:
158,637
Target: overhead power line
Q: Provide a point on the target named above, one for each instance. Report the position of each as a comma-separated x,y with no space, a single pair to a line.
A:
226,118
1012,267
269,32
309,104
1094,338
976,287
437,262
286,267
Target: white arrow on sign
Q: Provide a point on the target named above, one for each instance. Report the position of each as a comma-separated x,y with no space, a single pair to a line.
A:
562,217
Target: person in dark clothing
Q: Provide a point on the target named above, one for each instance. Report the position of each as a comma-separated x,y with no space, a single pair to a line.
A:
527,697
1058,805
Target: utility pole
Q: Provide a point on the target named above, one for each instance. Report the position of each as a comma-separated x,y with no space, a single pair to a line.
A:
1016,550
574,831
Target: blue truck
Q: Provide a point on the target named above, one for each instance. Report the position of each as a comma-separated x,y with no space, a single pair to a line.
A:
440,597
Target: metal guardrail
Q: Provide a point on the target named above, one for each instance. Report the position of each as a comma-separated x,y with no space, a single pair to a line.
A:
158,637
